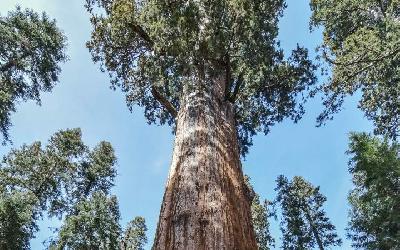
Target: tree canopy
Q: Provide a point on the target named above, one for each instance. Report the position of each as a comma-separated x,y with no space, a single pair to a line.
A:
375,198
362,44
93,224
134,236
153,49
17,219
68,180
31,49
53,179
304,224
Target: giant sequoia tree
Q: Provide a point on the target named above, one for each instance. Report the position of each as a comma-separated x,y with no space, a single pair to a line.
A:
215,72
362,44
31,49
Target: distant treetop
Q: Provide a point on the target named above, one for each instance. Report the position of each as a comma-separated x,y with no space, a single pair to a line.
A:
31,49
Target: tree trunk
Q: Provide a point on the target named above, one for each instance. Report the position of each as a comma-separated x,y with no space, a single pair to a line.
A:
206,204
314,229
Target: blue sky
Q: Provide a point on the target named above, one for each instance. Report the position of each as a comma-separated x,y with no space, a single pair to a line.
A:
83,99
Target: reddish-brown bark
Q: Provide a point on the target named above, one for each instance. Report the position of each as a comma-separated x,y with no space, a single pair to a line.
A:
206,204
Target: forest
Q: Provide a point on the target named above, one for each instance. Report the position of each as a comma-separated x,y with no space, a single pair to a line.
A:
199,124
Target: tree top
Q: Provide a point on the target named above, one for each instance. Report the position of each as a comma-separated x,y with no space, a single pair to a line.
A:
152,49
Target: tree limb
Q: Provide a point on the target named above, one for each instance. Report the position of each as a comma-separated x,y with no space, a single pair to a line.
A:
228,76
13,63
382,57
156,94
382,7
235,92
164,101
143,34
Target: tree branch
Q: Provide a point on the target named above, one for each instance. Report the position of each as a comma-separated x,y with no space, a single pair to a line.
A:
382,7
156,94
13,63
382,57
235,92
164,101
228,77
143,34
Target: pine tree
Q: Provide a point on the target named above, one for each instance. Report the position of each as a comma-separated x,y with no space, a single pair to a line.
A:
215,72
54,179
31,49
260,214
362,45
134,237
375,198
93,224
17,219
304,222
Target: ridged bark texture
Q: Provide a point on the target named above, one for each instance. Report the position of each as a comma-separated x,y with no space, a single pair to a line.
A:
206,204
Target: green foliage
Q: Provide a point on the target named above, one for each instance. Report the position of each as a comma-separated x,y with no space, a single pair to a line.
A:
61,173
31,49
68,180
134,237
304,224
375,198
55,178
362,44
154,49
17,225
260,214
93,224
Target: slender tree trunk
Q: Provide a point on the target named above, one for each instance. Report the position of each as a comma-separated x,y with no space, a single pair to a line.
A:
314,230
206,204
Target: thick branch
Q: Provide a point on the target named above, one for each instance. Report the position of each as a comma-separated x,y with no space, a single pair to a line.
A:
228,77
164,102
156,94
382,7
143,34
235,92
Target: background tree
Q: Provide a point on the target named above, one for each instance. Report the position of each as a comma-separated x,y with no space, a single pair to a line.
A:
93,224
53,179
304,223
213,70
362,45
260,214
31,49
134,237
375,198
17,219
